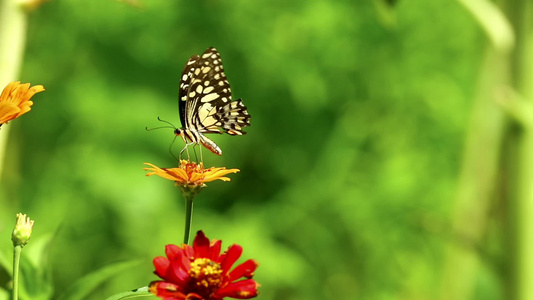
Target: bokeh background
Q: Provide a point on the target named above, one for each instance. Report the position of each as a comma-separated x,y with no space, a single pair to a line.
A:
387,157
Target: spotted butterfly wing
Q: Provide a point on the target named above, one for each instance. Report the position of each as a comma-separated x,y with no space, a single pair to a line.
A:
206,104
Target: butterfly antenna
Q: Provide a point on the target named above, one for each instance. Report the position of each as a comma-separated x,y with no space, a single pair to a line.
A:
150,129
161,120
170,125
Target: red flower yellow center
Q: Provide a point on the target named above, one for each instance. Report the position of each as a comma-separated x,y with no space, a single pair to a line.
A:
206,275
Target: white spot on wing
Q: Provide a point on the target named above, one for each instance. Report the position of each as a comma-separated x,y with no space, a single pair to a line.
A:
210,97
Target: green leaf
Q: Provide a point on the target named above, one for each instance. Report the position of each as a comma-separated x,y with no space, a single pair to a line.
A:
140,292
34,281
6,263
82,287
37,249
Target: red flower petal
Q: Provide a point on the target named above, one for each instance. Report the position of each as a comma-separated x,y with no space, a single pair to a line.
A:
193,296
188,251
185,262
177,273
214,250
233,253
173,251
161,266
201,245
243,289
166,290
246,269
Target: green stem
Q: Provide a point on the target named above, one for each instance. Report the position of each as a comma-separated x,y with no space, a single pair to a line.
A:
140,292
16,263
477,183
188,216
520,192
189,192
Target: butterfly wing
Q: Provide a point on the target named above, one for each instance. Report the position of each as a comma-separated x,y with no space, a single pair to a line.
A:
185,83
208,106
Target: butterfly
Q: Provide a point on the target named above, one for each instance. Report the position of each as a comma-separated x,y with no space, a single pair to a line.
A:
205,103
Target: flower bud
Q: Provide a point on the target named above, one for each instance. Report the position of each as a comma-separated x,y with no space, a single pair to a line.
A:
22,231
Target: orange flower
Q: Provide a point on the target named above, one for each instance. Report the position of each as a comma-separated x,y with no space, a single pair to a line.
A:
190,173
15,100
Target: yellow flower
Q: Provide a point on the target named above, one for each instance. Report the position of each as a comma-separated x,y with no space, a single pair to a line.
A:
190,173
15,100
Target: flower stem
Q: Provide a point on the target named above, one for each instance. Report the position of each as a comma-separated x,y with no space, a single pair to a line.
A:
188,217
189,192
16,261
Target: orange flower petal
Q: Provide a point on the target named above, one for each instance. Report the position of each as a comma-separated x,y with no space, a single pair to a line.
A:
190,174
15,100
8,111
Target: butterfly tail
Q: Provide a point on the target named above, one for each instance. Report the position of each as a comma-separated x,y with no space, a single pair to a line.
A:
210,145
234,116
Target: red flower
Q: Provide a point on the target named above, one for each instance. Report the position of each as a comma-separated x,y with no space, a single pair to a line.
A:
200,272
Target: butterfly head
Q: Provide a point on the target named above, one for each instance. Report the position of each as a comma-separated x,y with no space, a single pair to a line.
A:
178,132
186,135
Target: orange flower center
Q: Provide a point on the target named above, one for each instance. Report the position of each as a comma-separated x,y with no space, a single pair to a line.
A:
206,276
192,167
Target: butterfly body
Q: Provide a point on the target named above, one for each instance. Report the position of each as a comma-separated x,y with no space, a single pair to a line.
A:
205,102
194,137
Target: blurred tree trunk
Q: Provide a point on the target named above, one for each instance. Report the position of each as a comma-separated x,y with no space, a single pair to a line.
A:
13,23
488,176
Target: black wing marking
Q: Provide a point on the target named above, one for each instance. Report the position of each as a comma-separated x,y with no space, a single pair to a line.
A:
185,82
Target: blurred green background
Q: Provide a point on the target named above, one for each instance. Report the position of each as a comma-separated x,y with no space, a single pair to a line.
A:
377,165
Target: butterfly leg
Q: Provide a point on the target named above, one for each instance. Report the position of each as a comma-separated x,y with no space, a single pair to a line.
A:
195,155
186,148
201,155
181,152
